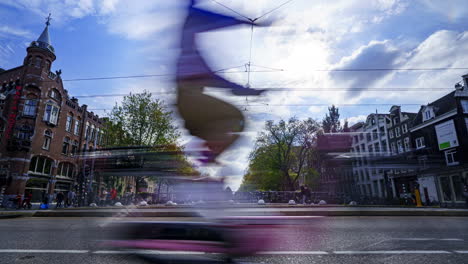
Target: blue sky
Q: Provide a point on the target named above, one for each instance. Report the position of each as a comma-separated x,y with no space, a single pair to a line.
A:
121,37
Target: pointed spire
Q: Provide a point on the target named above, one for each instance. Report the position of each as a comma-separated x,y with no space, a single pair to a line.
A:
44,37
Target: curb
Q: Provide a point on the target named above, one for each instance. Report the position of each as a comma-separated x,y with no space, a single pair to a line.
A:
329,213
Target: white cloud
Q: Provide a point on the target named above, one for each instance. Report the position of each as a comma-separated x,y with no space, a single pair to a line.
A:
13,31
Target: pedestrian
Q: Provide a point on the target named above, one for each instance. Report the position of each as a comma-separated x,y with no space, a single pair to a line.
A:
307,193
70,198
59,198
45,200
113,194
303,194
102,197
27,200
17,200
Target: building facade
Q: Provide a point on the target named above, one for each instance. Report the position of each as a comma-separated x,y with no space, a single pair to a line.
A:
43,131
369,145
440,141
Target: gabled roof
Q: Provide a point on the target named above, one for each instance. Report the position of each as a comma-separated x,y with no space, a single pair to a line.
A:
440,106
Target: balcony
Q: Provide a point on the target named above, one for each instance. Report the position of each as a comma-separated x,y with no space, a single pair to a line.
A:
52,76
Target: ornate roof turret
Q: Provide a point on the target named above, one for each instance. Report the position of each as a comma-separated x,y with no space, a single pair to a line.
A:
44,39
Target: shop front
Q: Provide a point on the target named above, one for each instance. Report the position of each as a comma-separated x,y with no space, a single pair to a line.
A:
451,188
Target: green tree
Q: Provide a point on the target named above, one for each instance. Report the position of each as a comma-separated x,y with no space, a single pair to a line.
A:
280,158
141,120
331,122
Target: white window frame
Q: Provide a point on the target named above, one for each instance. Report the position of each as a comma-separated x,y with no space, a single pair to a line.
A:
52,116
69,123
400,146
397,132
390,133
420,143
47,140
404,128
451,153
393,148
407,144
77,127
428,114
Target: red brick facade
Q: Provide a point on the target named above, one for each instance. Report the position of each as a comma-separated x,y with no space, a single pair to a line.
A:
43,131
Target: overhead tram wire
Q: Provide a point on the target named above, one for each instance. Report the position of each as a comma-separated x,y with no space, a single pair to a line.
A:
305,105
386,89
226,70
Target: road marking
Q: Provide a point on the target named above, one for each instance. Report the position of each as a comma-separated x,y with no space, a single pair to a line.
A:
157,252
428,239
292,253
61,251
395,252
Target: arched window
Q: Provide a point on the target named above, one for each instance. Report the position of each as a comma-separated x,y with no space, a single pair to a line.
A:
66,169
69,124
47,65
41,165
29,61
37,62
47,139
77,126
93,132
87,130
55,94
66,145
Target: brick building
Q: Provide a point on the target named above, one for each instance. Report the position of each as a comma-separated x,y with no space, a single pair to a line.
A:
42,129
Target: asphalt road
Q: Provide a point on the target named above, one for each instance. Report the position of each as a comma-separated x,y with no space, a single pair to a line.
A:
319,240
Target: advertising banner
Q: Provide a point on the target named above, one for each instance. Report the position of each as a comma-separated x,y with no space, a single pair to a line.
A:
446,135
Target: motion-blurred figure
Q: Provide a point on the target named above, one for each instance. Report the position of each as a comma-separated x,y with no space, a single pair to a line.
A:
206,117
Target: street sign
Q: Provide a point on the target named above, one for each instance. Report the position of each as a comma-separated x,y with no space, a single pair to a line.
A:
446,135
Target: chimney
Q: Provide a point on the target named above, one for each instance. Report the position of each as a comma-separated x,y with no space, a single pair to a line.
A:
465,81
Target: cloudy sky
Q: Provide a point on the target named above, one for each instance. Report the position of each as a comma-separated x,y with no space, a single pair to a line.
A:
101,38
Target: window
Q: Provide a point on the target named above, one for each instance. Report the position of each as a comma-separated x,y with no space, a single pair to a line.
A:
428,114
374,134
37,62
87,131
420,143
396,120
93,133
66,145
400,146
397,132
464,104
30,107
393,147
47,140
450,158
369,137
74,148
390,133
51,114
422,160
69,124
405,128
65,169
77,126
40,165
384,146
407,144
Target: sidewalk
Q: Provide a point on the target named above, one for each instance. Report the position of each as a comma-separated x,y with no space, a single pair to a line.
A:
184,211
